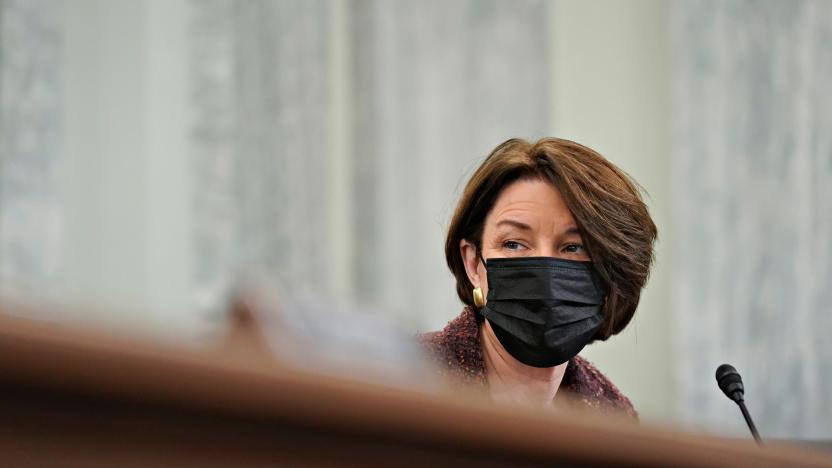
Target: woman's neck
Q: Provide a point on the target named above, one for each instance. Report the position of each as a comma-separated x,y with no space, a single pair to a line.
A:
511,381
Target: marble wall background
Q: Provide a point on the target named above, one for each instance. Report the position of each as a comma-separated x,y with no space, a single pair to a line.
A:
30,140
260,142
330,137
753,178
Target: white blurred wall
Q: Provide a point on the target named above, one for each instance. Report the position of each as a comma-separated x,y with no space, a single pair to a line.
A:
126,177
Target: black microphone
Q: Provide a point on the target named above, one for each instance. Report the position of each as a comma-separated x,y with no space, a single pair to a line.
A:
730,383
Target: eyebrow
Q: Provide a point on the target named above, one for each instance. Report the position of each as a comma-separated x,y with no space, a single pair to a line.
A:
572,230
514,223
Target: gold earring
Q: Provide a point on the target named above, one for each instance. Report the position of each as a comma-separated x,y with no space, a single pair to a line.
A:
478,299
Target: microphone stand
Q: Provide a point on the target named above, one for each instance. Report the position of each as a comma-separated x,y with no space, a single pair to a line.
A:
747,416
730,383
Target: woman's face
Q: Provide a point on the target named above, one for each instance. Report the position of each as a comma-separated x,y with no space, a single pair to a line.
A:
529,219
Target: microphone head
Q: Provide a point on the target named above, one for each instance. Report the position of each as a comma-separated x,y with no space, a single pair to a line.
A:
730,382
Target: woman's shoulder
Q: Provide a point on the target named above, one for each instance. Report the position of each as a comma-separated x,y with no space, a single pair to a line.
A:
456,348
592,388
457,353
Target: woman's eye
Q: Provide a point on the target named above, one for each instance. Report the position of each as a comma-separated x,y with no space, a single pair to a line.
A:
574,248
512,245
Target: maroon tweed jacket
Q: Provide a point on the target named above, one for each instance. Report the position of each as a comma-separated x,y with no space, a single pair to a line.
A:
457,350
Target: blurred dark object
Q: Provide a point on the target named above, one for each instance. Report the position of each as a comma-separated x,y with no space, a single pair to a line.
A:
76,398
303,331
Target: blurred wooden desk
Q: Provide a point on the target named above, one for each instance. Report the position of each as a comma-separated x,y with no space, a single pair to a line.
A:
76,398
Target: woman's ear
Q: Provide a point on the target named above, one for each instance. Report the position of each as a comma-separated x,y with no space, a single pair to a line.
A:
471,260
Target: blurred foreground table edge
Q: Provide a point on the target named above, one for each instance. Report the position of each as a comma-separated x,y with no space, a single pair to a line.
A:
73,397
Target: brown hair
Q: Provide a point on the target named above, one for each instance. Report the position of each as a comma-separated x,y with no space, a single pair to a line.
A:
615,225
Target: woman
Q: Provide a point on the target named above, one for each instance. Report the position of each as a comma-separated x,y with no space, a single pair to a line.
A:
550,245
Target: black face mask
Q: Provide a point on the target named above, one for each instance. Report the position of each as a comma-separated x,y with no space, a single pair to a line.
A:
543,310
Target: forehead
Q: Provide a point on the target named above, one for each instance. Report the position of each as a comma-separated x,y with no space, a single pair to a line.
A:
534,202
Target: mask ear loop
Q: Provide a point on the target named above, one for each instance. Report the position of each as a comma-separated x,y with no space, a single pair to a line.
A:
482,260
